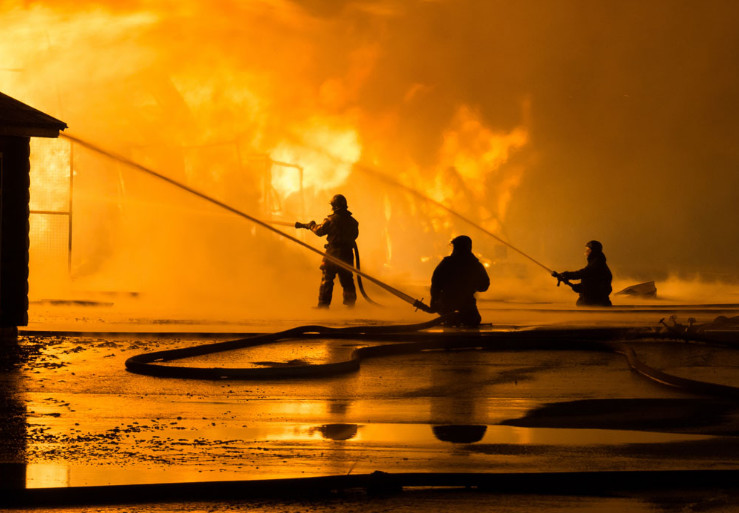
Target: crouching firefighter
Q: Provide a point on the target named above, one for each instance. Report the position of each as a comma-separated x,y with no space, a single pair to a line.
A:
341,231
454,284
595,278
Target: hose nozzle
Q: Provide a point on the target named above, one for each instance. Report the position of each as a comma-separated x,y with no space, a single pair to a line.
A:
418,304
560,278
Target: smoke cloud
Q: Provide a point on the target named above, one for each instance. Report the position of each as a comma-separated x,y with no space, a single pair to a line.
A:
548,123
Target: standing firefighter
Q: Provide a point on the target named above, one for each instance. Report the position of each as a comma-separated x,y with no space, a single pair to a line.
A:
595,278
455,281
341,231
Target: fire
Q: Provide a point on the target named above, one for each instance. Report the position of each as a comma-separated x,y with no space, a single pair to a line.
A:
264,106
471,169
326,155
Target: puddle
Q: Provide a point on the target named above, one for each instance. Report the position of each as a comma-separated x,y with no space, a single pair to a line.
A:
80,419
279,450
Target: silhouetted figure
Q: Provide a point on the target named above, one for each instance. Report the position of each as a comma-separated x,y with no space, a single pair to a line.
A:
455,281
338,431
595,278
341,231
459,434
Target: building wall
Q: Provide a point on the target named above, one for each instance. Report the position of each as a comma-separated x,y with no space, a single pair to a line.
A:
14,241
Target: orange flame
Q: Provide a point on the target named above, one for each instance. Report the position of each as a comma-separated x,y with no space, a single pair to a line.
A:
188,104
326,156
471,166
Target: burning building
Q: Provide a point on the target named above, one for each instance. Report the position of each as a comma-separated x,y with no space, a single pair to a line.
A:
541,123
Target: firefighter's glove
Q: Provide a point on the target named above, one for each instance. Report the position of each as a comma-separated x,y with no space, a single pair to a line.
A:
307,226
560,277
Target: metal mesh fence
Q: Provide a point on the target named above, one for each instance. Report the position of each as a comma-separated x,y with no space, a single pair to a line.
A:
49,206
49,244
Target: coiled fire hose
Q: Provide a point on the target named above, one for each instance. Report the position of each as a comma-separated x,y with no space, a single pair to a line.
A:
406,339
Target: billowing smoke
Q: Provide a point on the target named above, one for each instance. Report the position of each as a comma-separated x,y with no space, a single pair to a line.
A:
548,123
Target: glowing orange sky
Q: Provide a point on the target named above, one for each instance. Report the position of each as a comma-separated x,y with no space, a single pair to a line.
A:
551,123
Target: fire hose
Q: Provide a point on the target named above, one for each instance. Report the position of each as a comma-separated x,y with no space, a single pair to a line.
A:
406,339
416,303
424,197
359,279
355,250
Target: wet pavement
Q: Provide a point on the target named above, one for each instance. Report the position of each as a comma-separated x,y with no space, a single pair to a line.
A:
74,417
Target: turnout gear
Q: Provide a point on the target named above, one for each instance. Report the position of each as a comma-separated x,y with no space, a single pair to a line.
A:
341,231
595,278
455,281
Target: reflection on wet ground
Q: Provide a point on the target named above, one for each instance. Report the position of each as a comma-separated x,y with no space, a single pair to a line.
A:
275,450
72,415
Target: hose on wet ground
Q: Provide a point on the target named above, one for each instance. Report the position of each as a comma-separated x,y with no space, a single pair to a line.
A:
409,339
382,484
689,385
149,363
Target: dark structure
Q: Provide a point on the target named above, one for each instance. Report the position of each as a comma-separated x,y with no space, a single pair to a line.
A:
18,123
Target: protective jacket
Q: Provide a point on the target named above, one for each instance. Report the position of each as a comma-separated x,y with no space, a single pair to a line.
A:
595,281
341,231
454,283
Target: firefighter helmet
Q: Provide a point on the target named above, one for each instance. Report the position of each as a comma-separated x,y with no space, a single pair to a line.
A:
595,246
462,243
338,202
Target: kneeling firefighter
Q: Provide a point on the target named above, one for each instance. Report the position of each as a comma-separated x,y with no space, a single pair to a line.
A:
455,281
341,231
595,278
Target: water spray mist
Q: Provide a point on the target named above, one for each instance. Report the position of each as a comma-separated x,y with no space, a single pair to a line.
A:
417,303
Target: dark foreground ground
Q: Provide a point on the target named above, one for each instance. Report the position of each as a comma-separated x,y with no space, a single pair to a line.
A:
73,417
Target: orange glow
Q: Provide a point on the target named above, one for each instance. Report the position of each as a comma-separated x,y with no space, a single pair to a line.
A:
50,168
57,46
471,162
211,105
326,157
50,161
208,93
